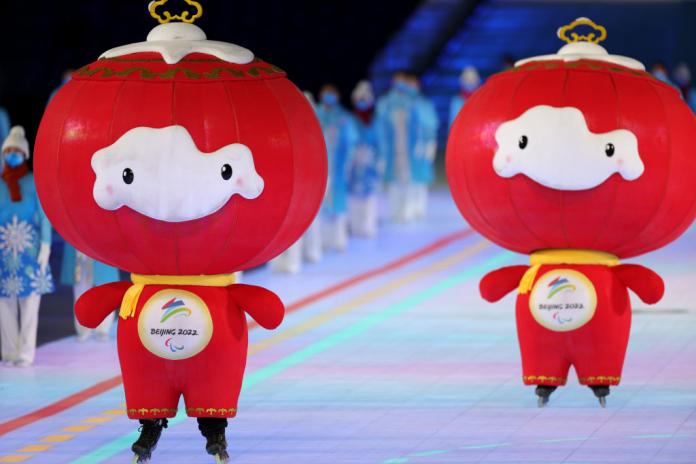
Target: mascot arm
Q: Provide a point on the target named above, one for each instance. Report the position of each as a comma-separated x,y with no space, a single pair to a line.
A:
496,284
645,283
264,306
98,302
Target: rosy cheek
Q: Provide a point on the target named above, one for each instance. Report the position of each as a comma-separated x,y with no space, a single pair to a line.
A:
240,182
109,189
620,162
508,159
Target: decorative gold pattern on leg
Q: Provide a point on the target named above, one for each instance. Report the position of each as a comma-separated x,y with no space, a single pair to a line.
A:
544,380
152,412
222,412
600,380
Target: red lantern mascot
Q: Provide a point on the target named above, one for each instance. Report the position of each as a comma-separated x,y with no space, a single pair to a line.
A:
181,160
577,159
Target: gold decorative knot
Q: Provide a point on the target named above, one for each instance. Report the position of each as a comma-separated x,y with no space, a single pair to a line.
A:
185,16
599,34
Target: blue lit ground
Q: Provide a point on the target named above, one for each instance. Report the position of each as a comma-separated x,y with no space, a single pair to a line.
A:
407,367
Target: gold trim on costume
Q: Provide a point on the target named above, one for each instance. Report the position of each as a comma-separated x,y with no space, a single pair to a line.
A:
544,378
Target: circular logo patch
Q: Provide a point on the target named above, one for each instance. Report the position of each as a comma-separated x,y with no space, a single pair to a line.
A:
175,324
563,300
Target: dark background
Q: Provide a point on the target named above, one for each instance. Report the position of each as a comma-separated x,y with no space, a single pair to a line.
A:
315,42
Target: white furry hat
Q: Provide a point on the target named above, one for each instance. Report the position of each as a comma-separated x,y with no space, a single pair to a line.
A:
363,91
469,78
17,139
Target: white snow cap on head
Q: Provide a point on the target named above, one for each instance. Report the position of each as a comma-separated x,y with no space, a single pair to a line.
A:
555,148
174,41
363,91
17,139
161,174
585,50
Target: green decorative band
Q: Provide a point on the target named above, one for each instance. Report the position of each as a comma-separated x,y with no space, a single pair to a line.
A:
587,64
216,73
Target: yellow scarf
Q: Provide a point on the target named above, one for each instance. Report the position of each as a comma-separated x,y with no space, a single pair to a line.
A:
563,256
130,299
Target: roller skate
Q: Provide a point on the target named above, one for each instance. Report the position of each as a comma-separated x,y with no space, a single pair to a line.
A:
543,393
213,429
150,432
601,392
216,445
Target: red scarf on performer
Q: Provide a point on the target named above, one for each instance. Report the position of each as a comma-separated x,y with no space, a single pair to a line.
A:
365,116
11,177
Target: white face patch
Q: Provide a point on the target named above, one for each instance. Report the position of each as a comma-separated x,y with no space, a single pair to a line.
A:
161,174
554,147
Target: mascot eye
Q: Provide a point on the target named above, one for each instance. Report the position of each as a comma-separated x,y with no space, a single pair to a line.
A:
226,172
609,149
523,142
128,176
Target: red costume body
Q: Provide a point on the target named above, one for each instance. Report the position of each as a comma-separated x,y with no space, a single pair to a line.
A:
153,384
182,172
597,348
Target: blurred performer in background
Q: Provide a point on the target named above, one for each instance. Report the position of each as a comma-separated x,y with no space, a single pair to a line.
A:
682,77
659,70
395,123
82,273
341,136
25,247
364,174
469,81
4,123
425,150
406,125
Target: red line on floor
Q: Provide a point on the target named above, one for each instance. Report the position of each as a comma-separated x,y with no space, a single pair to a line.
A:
441,243
60,405
106,385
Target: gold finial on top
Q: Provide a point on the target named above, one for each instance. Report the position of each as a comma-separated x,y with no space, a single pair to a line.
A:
185,16
599,34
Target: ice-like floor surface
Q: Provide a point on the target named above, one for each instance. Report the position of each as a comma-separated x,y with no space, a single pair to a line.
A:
405,365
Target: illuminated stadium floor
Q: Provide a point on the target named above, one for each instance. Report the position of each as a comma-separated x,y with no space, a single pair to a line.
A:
403,365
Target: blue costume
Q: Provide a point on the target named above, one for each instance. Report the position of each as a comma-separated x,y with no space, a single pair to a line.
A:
341,135
426,141
406,125
101,273
23,228
396,128
4,123
364,173
456,104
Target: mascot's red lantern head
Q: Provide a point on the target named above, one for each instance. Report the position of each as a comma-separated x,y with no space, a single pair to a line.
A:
581,149
180,156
